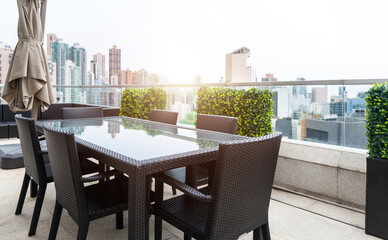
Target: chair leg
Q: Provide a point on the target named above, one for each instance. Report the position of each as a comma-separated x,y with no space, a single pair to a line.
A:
23,193
83,229
158,228
173,191
187,237
119,220
33,189
55,222
265,231
257,234
101,170
37,209
159,186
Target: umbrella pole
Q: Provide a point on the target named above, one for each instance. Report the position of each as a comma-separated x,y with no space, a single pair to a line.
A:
34,111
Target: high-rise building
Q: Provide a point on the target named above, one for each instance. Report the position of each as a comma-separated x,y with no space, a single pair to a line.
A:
51,37
59,55
269,77
299,89
94,69
78,55
126,77
91,79
99,58
141,77
52,67
236,66
114,80
6,53
319,94
73,76
115,62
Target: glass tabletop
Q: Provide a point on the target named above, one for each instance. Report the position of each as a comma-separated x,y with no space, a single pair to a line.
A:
140,139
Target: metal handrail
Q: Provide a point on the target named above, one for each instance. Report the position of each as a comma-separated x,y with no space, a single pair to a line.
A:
242,84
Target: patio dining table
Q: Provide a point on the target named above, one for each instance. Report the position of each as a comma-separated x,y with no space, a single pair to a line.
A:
140,148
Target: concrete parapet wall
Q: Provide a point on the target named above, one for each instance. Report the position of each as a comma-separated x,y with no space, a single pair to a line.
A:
330,172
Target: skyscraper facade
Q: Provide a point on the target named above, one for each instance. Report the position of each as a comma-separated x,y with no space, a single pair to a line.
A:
99,59
115,62
126,77
77,54
6,53
59,54
236,66
51,37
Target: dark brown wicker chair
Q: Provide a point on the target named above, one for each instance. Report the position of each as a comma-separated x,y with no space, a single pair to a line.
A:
81,112
204,172
83,203
85,112
238,201
36,169
164,116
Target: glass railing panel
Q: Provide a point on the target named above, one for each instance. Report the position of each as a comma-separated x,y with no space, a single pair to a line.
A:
330,113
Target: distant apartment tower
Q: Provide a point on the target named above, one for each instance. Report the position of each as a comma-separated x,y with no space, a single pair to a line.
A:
59,54
78,55
269,77
141,77
99,58
114,80
126,77
299,89
51,37
52,67
236,67
319,95
94,69
6,53
115,62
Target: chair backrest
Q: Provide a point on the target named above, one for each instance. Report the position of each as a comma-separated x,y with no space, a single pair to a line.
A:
66,171
9,116
164,116
81,112
242,186
217,123
33,162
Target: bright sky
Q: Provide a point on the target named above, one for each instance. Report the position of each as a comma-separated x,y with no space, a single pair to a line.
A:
326,39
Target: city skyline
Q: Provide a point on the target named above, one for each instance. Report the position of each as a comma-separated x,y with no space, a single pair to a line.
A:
316,40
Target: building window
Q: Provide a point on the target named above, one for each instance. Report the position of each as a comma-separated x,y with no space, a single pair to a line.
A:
317,135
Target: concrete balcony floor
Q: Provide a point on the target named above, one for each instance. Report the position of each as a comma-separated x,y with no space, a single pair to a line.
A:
291,216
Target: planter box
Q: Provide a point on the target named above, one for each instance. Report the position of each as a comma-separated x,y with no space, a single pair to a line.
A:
376,214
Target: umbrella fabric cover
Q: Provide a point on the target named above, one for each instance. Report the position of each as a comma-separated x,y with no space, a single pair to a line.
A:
28,82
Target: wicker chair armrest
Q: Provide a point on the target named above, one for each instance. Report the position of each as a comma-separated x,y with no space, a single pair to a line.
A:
100,176
189,191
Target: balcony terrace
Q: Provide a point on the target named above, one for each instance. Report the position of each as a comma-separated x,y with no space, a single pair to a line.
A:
292,216
319,190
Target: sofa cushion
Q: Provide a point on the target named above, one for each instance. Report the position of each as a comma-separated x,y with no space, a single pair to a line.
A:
9,116
3,130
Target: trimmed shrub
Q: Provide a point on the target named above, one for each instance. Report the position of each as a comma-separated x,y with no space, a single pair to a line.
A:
377,120
137,103
253,108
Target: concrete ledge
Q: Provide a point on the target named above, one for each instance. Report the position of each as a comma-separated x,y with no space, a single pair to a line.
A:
329,172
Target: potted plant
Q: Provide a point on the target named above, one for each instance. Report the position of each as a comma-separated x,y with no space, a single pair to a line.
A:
376,214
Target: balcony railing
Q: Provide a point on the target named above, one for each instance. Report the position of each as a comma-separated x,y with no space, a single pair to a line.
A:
325,111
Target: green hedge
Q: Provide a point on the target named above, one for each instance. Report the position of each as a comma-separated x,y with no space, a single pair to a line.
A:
137,103
253,108
377,120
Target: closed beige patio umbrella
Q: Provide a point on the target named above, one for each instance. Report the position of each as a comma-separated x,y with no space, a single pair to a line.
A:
28,84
